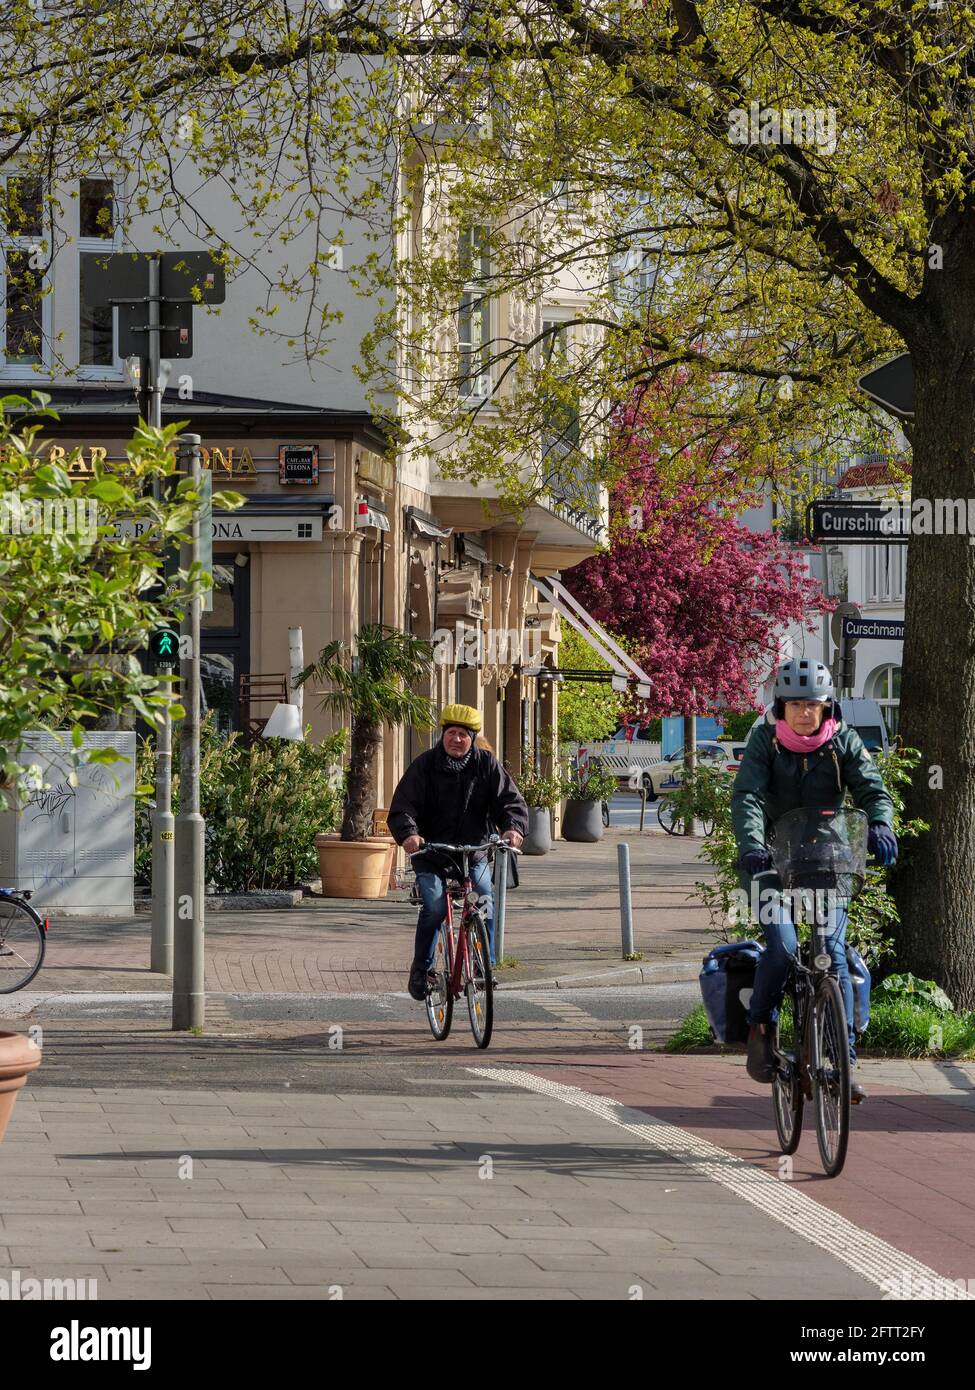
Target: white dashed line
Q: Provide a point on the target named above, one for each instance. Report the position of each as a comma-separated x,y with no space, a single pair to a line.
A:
866,1254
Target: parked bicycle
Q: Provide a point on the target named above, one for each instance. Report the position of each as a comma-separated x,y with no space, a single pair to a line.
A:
462,953
23,937
820,857
672,820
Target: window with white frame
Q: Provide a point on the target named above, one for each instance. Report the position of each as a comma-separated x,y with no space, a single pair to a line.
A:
97,239
474,315
24,252
560,416
884,686
634,272
885,573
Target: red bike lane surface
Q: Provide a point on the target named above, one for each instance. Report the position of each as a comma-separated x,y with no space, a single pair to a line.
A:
909,1176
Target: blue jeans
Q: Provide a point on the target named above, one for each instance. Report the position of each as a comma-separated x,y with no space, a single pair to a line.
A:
433,910
773,966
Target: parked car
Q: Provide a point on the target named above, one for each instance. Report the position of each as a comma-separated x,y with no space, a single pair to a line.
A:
637,762
667,774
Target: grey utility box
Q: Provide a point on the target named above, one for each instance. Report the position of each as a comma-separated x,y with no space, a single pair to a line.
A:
73,845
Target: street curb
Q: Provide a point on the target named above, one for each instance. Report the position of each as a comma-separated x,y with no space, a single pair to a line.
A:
271,900
644,974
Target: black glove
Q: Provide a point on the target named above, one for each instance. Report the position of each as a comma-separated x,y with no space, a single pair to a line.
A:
755,861
882,843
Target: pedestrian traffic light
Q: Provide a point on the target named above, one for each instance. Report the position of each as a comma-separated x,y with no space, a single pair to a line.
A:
164,645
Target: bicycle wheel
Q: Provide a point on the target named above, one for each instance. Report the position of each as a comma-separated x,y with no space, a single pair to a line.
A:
22,942
478,984
440,1000
832,1076
787,1097
667,817
605,813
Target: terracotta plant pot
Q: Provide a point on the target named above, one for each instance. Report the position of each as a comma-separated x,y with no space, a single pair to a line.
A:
389,881
18,1056
354,868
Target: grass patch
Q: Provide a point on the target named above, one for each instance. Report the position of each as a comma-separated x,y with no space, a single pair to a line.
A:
695,1031
636,955
898,1028
901,1028
507,963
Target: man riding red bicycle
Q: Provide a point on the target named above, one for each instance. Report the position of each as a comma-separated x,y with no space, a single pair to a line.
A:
453,793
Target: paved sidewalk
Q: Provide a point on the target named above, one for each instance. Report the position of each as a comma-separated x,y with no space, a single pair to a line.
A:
228,1195
562,925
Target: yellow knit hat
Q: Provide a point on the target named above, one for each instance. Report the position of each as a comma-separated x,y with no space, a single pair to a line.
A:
465,715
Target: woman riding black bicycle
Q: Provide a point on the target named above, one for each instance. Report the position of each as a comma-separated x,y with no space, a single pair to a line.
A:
800,755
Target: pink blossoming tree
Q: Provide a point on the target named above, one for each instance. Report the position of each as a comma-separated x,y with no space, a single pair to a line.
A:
703,598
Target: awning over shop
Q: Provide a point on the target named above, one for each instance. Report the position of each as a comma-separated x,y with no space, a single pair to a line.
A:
422,524
624,673
368,514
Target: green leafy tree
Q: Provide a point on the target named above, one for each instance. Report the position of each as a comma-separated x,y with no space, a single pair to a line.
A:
78,561
588,710
773,195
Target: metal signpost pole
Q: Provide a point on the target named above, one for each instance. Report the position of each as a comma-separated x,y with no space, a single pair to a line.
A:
500,902
163,824
690,761
188,981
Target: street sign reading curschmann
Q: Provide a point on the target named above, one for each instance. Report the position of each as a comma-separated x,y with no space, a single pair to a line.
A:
857,523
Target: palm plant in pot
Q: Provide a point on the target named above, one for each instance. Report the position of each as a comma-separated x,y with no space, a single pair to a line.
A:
372,687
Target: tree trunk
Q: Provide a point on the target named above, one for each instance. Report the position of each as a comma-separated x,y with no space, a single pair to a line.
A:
361,795
935,887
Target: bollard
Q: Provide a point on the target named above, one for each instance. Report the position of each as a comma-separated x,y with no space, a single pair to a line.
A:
626,906
643,805
500,901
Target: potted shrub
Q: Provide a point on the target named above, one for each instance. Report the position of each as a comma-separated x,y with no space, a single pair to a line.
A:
19,1055
373,689
542,794
583,820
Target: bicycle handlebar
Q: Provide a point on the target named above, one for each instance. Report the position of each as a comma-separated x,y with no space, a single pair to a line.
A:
494,843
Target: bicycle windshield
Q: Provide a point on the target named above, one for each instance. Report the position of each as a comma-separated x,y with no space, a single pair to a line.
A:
813,847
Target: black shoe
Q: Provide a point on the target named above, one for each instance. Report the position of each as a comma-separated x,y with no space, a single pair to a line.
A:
857,1093
419,987
760,1062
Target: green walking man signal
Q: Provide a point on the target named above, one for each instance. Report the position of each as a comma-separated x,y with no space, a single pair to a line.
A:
164,645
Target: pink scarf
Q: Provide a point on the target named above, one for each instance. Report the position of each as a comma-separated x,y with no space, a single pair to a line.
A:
805,743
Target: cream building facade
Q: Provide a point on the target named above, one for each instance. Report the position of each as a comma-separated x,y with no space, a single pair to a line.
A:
338,528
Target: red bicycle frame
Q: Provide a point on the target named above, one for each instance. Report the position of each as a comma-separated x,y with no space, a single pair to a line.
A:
457,960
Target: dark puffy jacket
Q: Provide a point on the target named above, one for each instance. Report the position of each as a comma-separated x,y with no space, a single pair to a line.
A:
771,781
455,808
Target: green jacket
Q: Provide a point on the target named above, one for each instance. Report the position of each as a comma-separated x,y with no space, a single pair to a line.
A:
771,781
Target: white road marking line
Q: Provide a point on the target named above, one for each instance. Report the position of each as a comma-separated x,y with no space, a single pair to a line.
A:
866,1254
